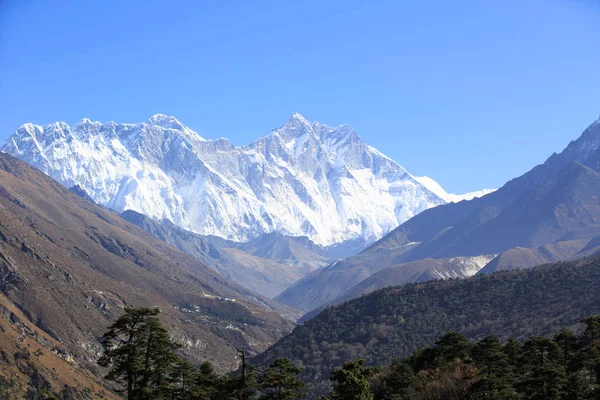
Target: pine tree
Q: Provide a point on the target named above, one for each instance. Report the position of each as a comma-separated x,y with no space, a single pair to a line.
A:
494,376
212,386
545,374
453,346
280,381
591,335
394,381
139,354
568,343
351,382
159,361
184,381
513,349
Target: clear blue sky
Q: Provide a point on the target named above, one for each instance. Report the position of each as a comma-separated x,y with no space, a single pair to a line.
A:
469,92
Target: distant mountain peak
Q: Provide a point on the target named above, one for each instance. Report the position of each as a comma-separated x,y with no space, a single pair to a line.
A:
165,121
86,121
297,117
295,127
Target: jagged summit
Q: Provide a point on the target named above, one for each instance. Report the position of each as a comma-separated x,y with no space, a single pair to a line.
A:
304,179
165,121
298,118
87,121
298,134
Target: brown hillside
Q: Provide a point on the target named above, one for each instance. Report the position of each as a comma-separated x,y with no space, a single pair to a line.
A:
71,267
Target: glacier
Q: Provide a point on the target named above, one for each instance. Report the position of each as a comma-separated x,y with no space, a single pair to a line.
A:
303,179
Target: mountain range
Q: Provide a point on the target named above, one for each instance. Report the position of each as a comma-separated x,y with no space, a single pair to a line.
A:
303,179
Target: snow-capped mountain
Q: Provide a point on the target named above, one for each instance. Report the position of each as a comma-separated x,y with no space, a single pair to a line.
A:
303,179
449,197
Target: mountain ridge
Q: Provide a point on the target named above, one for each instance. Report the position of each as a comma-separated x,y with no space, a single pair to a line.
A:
260,275
302,179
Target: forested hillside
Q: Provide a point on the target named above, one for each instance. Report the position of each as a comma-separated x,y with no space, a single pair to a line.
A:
566,366
393,322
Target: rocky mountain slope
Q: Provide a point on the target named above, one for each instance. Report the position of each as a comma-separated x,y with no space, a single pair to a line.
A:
427,269
257,274
303,179
523,257
555,201
71,267
299,251
33,363
449,230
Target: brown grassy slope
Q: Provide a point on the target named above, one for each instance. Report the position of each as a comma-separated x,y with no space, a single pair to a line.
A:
71,267
32,360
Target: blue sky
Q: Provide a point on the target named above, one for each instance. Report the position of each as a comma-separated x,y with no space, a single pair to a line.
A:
469,92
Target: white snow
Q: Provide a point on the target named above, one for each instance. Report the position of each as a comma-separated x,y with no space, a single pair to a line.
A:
464,267
304,179
450,197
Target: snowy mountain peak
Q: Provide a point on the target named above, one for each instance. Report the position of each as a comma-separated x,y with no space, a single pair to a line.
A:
28,127
295,127
304,179
297,118
165,121
86,121
159,118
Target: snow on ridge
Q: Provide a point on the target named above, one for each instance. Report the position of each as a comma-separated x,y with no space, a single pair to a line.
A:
450,197
303,179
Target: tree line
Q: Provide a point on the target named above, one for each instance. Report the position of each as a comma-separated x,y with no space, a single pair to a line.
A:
143,362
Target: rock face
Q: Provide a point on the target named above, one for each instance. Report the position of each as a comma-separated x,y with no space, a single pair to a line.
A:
260,275
303,179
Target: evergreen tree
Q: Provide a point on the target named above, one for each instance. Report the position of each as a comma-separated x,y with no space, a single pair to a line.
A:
591,335
588,358
513,349
139,353
280,381
494,380
453,346
159,361
211,385
184,379
395,381
544,374
568,343
351,382
579,387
